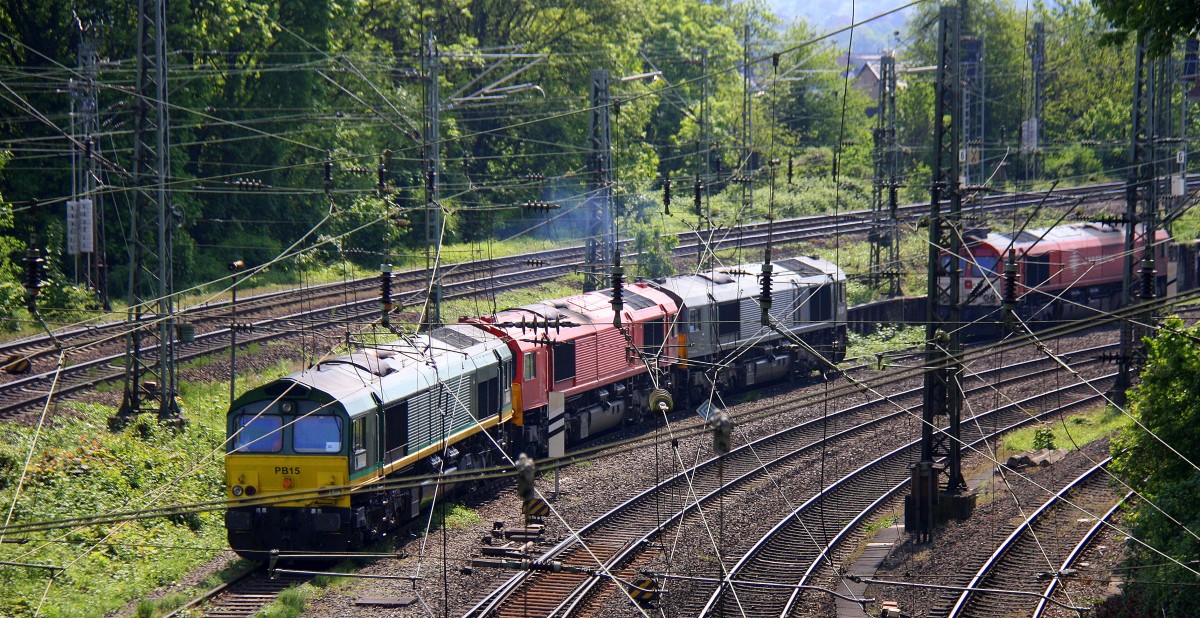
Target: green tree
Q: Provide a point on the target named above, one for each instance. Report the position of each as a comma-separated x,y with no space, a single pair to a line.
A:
1167,405
1085,124
1165,22
1002,30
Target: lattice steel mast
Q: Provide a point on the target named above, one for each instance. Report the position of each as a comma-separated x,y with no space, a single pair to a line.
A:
943,387
600,244
433,213
885,231
151,221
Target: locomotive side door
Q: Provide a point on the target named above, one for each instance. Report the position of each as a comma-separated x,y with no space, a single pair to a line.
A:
395,431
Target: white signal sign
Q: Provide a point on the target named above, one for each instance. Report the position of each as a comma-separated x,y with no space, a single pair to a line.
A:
80,222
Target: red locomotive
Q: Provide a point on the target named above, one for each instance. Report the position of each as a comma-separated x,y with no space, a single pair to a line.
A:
1062,273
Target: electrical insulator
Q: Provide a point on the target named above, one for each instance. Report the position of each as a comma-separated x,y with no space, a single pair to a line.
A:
765,298
329,174
618,285
722,427
697,188
1009,303
525,473
661,401
385,289
381,180
35,270
1148,271
667,195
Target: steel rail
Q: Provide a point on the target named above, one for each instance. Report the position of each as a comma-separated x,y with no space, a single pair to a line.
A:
889,465
1019,532
492,603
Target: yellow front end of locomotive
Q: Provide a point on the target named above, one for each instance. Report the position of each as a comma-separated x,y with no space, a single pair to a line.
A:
286,480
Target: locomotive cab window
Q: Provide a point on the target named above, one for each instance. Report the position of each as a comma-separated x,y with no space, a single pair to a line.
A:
985,266
317,434
358,439
653,336
695,320
530,368
506,377
259,434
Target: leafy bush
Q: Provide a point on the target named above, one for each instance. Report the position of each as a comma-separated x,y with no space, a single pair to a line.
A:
12,306
1072,161
1043,438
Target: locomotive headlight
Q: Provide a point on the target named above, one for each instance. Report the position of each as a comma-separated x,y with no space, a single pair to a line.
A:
287,482
288,407
237,490
250,490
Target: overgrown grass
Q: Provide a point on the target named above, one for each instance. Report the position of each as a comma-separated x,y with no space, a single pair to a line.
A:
292,601
78,468
1074,430
454,516
882,523
153,608
887,338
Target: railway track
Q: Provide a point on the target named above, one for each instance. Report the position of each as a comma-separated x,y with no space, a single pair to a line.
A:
32,392
612,547
241,597
1033,552
1054,588
791,554
93,355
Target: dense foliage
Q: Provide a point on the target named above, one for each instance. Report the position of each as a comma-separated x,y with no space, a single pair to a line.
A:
1157,458
265,95
1164,22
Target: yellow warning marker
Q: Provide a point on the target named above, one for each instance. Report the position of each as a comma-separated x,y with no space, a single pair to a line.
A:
535,507
644,590
15,365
